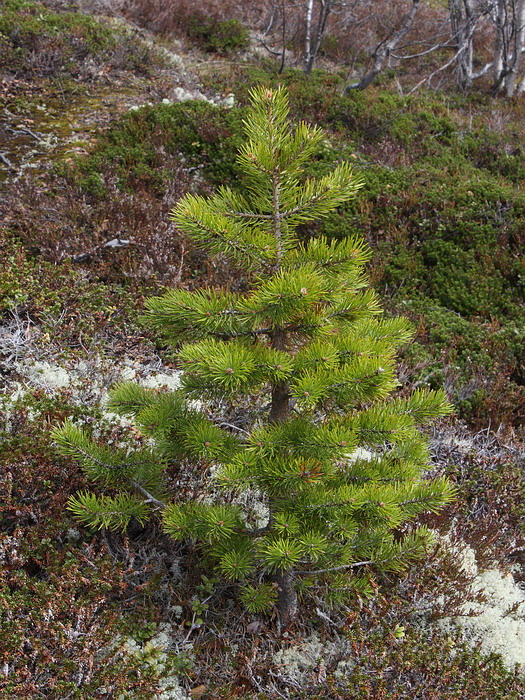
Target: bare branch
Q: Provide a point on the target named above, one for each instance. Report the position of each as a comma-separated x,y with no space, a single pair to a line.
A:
384,50
333,568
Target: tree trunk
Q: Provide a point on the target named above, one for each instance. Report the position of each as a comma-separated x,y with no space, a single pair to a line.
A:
287,600
384,50
462,23
499,42
280,407
279,412
308,57
519,37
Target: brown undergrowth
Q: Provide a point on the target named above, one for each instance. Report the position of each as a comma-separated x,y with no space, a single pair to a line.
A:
64,598
90,588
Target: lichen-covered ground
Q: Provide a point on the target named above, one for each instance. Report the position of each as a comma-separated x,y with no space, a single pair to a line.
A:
99,138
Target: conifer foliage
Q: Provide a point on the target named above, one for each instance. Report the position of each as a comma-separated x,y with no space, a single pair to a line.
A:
336,465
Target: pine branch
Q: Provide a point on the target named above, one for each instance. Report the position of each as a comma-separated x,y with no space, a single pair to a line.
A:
72,447
249,215
148,496
276,203
318,572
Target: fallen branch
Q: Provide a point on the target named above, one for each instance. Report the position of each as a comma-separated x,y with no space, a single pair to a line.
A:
23,131
7,162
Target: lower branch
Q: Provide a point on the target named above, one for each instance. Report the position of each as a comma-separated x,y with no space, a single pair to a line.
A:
334,568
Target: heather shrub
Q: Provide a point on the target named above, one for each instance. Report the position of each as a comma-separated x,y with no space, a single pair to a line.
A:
218,36
38,42
142,146
66,597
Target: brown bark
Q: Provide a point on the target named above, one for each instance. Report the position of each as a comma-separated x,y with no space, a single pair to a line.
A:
287,600
279,412
280,407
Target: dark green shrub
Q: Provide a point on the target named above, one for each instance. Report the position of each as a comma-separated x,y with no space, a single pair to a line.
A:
218,36
142,145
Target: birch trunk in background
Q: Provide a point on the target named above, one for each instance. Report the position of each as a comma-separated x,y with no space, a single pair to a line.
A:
476,38
499,43
308,59
314,32
517,48
462,24
509,22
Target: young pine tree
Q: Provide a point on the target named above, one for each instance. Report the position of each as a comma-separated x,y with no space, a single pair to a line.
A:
337,464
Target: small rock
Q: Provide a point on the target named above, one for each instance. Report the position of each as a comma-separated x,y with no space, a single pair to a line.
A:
80,258
254,627
117,243
182,95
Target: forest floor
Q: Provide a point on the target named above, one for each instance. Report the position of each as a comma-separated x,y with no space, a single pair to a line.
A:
99,137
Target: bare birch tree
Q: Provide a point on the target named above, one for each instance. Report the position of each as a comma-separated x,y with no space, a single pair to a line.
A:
314,31
384,50
463,21
509,21
469,38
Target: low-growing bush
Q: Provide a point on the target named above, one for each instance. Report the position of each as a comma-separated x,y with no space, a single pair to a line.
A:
69,607
142,146
69,309
218,36
37,42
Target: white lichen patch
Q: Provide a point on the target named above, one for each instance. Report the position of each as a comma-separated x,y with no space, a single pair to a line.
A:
310,659
360,453
261,513
254,506
154,654
44,375
89,381
497,625
162,380
85,383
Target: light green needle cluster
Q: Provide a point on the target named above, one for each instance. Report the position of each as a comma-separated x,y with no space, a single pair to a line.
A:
336,463
258,228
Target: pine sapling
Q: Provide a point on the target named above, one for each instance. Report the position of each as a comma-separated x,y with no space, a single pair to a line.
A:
305,364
